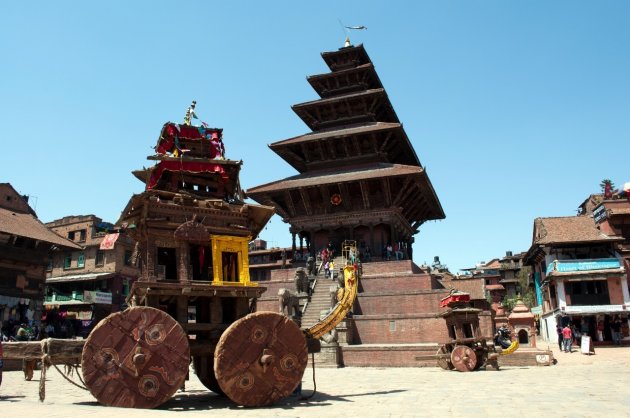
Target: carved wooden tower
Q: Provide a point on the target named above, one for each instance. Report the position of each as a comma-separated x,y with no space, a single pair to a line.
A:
360,178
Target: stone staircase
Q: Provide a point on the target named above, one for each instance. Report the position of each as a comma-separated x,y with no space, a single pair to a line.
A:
320,297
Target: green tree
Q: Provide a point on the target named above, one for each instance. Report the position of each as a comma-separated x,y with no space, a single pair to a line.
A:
606,182
526,292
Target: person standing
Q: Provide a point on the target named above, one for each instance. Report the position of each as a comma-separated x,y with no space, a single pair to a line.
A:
331,267
615,328
560,338
600,330
567,337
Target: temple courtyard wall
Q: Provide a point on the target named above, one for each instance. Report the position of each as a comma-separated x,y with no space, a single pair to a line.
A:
395,318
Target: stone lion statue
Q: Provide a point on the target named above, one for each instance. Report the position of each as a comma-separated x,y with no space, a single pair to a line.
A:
335,292
289,303
301,280
310,265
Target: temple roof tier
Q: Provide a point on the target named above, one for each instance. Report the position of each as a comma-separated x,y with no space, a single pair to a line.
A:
362,188
348,57
363,107
346,81
375,142
354,219
161,209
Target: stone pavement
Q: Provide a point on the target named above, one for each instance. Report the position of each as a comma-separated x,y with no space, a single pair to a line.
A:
577,386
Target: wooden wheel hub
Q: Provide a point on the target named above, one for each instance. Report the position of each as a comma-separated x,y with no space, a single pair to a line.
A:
463,358
137,358
260,359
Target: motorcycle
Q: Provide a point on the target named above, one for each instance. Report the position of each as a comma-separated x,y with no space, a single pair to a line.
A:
503,337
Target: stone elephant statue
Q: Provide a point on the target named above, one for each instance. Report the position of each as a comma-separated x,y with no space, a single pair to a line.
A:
289,303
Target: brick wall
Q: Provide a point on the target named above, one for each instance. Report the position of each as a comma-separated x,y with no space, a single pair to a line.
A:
399,356
399,329
401,302
390,267
395,283
614,290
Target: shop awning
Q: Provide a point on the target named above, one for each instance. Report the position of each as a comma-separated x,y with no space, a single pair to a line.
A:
65,303
595,309
80,277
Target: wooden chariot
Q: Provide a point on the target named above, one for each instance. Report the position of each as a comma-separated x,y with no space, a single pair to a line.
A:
194,301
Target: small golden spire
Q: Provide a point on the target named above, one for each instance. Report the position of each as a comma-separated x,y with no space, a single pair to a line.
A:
347,43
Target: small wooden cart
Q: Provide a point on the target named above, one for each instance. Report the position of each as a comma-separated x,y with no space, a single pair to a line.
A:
467,350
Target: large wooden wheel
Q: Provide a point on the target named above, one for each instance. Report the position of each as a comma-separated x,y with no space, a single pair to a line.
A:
463,358
442,360
137,358
204,369
260,359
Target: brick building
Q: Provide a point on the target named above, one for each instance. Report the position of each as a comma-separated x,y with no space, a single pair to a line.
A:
92,281
263,260
25,247
579,274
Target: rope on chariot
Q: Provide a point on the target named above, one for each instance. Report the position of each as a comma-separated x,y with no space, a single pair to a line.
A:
46,361
305,398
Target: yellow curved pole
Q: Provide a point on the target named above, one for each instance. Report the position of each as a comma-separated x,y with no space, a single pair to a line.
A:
339,312
512,348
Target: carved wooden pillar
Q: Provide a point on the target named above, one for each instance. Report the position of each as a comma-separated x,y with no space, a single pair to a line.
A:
182,309
309,235
182,261
293,238
216,311
372,249
392,232
151,255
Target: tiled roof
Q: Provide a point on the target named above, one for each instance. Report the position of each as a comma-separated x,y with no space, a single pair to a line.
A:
568,229
27,225
495,287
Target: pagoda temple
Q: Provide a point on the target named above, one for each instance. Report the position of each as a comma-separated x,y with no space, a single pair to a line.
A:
360,178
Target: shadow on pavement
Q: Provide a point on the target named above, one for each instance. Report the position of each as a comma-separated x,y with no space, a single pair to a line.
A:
11,398
203,400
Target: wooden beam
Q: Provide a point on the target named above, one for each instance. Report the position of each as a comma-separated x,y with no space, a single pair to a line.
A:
305,152
388,137
387,191
290,206
345,201
401,191
365,194
344,143
323,189
356,145
306,201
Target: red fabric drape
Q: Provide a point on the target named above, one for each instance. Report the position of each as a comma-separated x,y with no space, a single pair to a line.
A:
191,167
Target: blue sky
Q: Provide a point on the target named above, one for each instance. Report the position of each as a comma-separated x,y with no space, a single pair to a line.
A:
517,109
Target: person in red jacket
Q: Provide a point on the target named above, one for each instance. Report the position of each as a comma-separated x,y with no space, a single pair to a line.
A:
567,336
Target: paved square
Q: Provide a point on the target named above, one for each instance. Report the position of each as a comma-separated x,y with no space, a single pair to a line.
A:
578,386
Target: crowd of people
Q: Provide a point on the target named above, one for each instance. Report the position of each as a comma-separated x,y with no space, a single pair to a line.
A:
29,331
571,333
